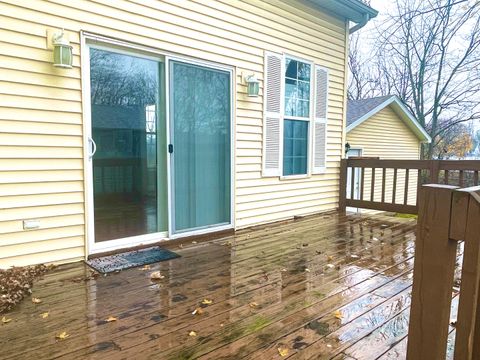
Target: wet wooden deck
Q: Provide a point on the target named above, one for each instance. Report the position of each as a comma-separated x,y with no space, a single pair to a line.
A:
323,287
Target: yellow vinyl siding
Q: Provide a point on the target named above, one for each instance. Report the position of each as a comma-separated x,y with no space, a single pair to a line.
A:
41,138
386,136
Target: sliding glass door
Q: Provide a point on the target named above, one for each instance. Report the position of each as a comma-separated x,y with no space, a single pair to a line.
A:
200,131
128,130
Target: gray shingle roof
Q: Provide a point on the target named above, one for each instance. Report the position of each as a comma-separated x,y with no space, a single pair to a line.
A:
357,108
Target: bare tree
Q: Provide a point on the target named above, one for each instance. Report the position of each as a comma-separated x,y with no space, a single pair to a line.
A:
429,55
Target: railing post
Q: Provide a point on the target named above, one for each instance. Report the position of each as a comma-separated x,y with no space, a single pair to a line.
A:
434,171
467,218
433,274
342,203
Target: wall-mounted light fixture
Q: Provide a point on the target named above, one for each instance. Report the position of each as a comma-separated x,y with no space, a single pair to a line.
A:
253,85
62,51
347,148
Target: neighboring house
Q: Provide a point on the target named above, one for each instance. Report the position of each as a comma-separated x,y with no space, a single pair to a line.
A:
383,127
152,133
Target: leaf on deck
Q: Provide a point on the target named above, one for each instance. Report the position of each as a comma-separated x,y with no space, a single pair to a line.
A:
111,319
156,275
197,311
62,336
207,302
338,314
192,333
36,300
145,268
44,315
253,304
5,320
283,351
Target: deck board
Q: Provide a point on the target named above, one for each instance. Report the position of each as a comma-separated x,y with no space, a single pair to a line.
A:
300,274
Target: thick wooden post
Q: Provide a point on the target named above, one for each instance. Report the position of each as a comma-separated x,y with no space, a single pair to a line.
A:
434,267
342,203
467,342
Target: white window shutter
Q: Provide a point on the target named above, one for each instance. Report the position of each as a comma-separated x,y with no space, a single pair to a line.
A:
272,123
320,120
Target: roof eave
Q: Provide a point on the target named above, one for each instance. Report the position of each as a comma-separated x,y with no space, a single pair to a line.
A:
352,10
401,110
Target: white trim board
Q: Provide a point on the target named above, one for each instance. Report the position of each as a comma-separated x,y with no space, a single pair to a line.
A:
401,110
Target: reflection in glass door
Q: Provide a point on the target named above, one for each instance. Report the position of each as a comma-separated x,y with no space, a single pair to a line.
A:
200,118
129,180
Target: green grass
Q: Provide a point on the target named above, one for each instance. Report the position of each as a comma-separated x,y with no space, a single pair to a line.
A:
406,216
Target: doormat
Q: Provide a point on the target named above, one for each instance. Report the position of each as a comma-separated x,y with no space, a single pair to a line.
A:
129,259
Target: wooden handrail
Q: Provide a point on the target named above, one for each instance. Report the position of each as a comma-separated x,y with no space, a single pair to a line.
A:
456,172
446,215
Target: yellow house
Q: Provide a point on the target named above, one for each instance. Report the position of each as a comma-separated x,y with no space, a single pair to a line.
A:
383,127
174,118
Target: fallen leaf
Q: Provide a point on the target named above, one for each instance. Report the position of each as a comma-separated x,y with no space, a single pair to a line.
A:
146,267
5,320
338,314
111,318
375,239
62,336
330,258
283,351
192,333
253,304
307,270
197,311
353,256
194,242
36,300
207,302
284,270
45,315
330,266
156,275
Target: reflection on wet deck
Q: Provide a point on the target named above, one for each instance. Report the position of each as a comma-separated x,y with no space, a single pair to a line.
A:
322,287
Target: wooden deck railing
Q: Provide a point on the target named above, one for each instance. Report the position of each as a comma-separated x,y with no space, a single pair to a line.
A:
392,185
447,216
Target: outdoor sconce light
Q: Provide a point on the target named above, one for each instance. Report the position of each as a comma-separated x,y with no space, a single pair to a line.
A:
253,85
347,148
62,51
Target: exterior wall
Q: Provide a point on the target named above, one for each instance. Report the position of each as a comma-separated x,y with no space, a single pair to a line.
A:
386,136
41,138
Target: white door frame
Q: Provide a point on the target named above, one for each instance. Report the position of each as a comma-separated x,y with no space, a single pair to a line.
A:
88,41
170,162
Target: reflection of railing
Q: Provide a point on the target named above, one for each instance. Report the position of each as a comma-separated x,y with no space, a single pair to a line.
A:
392,185
117,175
446,216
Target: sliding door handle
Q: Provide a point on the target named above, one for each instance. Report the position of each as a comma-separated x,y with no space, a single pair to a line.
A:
92,147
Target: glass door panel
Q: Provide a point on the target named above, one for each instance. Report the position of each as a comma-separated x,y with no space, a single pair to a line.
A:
129,185
200,118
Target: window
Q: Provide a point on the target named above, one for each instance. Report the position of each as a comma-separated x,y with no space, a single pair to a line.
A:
296,117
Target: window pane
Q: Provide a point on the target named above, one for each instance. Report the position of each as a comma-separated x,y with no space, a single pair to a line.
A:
125,108
304,71
303,90
291,68
295,144
290,97
303,108
200,107
297,87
